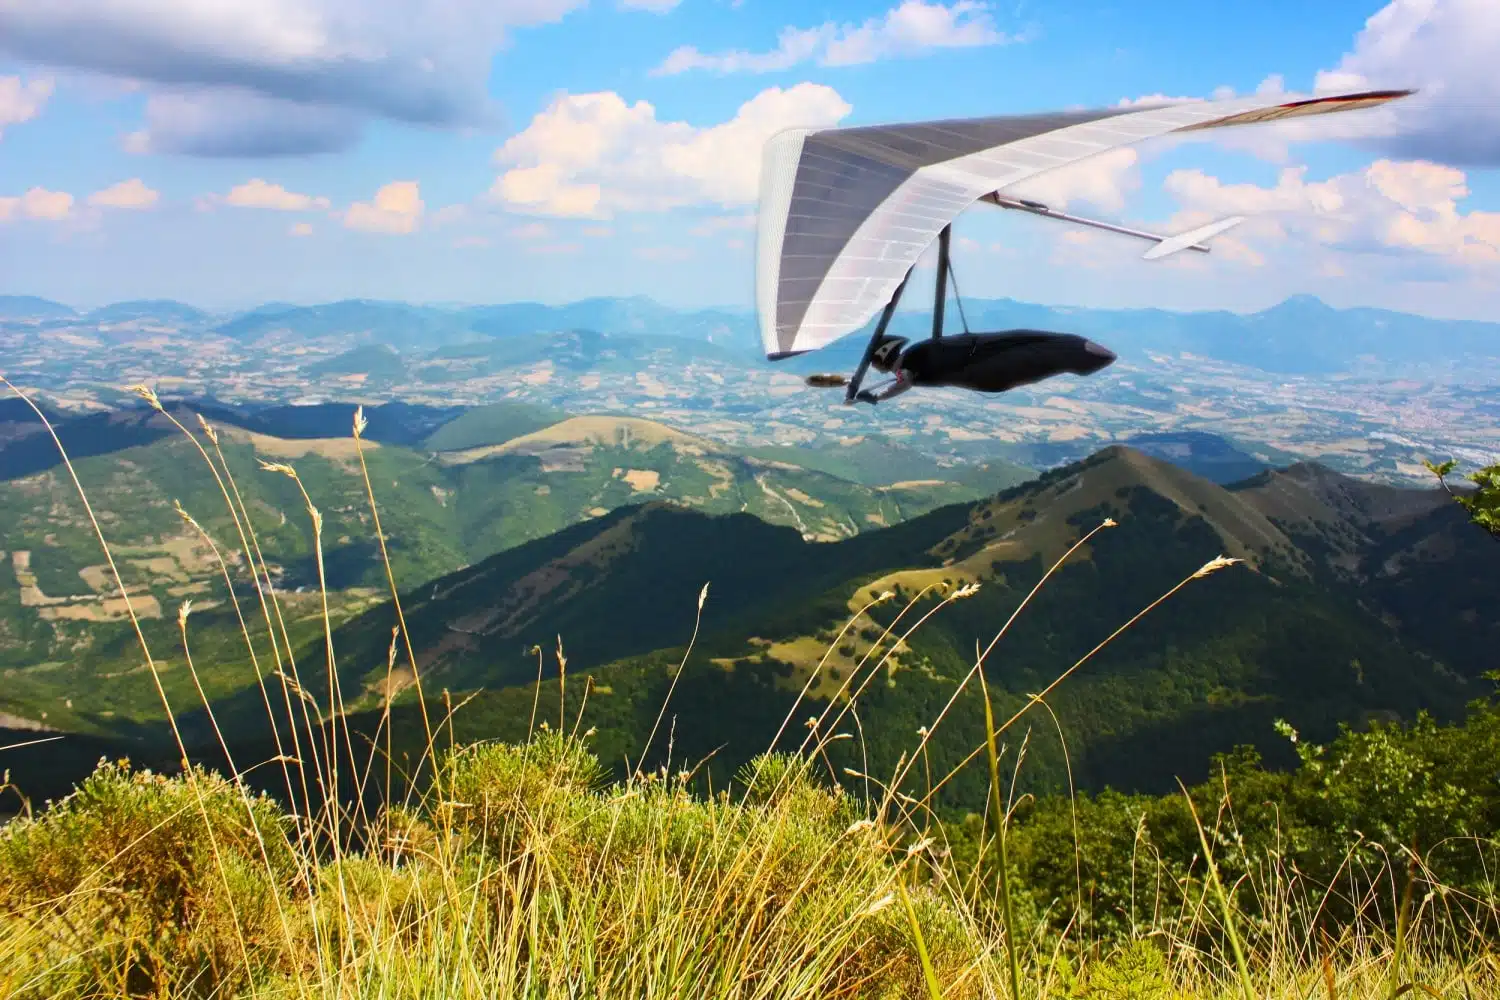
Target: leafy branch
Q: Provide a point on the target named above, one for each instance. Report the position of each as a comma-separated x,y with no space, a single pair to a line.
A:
1483,504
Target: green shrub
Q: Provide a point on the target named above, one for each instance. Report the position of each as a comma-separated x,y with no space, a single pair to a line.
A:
163,885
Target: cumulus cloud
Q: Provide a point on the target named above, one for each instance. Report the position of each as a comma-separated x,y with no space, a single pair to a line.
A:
37,203
240,123
396,208
1446,50
1404,207
914,28
591,155
21,102
301,229
414,61
258,193
127,194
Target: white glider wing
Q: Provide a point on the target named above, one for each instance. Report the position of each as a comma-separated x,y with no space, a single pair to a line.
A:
846,212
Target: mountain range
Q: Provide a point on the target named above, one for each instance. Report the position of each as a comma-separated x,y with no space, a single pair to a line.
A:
454,484
1301,335
1351,602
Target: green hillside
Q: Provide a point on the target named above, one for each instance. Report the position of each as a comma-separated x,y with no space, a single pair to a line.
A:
603,531
377,362
494,423
880,461
66,643
1287,634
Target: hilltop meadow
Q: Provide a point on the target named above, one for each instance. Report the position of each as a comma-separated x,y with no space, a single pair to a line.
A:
363,818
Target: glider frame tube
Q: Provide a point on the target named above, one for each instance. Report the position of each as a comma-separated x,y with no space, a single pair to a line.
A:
885,321
940,300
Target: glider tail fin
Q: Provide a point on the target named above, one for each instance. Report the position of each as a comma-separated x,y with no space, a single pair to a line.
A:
1191,240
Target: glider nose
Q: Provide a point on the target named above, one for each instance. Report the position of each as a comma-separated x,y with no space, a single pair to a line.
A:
1099,355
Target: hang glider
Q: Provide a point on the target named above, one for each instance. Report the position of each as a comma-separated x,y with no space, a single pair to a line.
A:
846,212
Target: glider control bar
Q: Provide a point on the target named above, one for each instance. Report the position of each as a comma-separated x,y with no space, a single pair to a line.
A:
1165,245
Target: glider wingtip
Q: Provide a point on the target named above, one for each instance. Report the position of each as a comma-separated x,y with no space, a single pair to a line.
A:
1191,238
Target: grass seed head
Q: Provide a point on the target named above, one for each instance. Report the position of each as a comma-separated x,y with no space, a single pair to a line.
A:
281,467
208,430
1214,565
147,393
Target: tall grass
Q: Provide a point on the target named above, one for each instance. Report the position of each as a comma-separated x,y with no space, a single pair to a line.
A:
519,871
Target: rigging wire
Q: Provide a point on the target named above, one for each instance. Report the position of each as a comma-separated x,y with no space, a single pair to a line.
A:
953,280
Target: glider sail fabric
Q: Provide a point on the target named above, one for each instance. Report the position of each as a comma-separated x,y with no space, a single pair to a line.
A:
845,212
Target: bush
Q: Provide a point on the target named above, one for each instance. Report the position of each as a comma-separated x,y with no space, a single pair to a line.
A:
168,885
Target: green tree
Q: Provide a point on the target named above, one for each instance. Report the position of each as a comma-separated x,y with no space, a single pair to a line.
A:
1483,504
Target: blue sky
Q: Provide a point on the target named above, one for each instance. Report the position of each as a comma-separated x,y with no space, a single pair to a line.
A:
229,152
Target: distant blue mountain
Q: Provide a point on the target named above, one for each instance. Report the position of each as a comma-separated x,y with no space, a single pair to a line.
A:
635,315
164,310
1301,335
31,307
395,324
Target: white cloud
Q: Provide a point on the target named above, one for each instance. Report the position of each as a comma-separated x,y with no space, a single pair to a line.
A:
37,203
598,232
396,208
21,102
1448,51
239,123
301,229
471,242
1388,207
591,155
914,28
651,6
415,61
127,194
1150,99
258,193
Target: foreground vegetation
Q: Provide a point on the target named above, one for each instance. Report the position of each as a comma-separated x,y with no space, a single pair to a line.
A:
517,870
523,873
